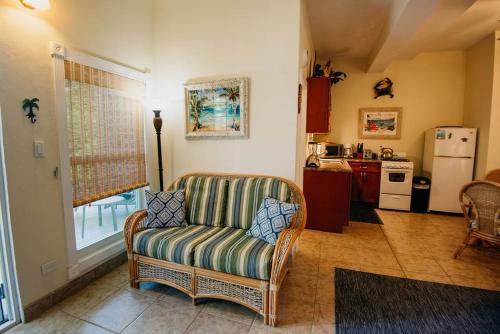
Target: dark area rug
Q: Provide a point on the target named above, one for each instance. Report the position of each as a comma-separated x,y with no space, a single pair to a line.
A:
369,303
363,213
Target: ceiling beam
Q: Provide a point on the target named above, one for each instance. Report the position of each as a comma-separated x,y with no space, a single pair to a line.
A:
405,18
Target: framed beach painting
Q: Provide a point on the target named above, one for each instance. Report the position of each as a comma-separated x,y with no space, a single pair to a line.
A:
380,123
217,108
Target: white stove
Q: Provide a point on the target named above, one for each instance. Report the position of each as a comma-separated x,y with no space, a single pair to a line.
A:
396,184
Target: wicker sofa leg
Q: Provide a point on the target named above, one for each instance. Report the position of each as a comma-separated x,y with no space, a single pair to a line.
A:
273,307
132,265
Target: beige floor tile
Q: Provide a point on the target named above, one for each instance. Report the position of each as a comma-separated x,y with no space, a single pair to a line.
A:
324,314
481,282
151,289
420,264
87,298
323,329
429,277
162,317
119,310
57,322
293,318
228,310
117,277
325,293
209,324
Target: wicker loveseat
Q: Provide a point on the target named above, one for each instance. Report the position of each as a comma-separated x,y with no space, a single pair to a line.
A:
213,257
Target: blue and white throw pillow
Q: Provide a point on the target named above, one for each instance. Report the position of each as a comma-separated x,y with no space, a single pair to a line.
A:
273,217
166,209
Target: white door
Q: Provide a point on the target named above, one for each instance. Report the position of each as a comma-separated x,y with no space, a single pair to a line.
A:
449,175
455,142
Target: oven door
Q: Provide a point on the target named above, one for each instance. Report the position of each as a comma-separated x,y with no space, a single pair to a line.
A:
396,181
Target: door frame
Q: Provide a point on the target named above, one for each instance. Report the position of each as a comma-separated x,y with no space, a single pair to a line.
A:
8,262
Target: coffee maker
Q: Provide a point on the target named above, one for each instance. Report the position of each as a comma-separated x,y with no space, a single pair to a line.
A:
313,158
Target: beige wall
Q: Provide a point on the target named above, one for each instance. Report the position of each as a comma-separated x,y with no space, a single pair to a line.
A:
430,88
494,140
305,43
95,26
224,38
478,97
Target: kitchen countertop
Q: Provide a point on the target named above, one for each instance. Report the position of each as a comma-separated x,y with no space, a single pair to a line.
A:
342,166
373,161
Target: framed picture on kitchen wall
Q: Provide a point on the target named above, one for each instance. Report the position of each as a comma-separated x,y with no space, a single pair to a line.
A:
217,108
380,123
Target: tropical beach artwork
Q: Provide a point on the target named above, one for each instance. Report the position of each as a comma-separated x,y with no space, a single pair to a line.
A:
217,108
380,123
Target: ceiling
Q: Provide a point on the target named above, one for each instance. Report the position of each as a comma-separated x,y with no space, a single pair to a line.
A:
384,30
346,28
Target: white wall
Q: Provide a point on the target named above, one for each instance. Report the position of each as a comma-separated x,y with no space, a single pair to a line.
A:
430,88
224,38
478,97
120,30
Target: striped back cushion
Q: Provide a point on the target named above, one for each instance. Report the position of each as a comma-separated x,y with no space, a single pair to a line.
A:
206,198
245,196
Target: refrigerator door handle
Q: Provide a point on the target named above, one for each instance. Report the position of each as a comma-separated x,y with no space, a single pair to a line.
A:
449,156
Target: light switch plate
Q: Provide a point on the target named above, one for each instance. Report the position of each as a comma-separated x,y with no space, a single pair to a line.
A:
38,148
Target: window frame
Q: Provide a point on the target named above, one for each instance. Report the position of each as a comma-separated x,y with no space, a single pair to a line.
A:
80,261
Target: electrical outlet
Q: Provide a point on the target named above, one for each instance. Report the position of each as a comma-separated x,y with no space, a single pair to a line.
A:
48,267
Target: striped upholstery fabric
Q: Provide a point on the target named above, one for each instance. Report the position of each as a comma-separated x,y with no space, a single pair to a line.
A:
205,199
233,252
245,196
174,244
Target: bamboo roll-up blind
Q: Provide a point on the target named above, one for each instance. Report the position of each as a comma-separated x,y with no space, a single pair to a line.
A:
105,132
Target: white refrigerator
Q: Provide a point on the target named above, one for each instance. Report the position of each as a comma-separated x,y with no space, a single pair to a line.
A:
449,163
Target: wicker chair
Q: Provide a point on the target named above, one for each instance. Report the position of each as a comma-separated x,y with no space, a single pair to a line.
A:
493,175
258,295
480,201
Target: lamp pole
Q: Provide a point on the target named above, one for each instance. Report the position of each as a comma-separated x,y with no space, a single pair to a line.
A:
158,122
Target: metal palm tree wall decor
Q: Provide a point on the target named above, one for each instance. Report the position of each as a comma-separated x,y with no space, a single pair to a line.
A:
29,105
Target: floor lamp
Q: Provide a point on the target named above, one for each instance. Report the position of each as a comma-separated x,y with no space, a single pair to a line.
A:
158,122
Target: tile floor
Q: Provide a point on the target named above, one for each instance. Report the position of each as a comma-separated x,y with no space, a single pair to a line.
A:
407,245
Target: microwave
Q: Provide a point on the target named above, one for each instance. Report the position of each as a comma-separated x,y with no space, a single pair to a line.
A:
332,150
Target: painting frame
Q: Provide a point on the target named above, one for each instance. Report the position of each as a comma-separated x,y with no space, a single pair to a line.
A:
237,104
384,115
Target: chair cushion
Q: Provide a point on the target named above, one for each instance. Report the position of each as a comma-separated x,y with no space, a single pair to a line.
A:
232,251
165,209
206,198
245,196
272,218
174,244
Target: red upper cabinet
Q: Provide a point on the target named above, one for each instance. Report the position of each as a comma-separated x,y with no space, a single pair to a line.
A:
318,105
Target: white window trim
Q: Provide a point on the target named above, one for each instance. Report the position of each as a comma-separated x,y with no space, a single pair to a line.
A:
81,261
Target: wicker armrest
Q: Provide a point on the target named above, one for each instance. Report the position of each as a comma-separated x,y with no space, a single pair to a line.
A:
281,252
134,223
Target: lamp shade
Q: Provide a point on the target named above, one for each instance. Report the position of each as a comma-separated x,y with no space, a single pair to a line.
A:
36,4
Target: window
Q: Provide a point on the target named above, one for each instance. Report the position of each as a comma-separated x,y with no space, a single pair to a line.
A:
102,153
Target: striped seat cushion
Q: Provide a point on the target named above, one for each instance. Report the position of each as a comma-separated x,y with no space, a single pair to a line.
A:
174,244
233,252
245,196
205,199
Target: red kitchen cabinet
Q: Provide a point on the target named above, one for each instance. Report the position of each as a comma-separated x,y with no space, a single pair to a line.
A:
327,196
318,105
365,182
